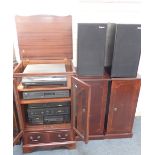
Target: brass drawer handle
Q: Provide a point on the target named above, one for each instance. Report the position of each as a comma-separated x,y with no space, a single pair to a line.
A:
63,138
35,140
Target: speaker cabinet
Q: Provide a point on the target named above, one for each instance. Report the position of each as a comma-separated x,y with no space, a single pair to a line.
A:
127,50
91,49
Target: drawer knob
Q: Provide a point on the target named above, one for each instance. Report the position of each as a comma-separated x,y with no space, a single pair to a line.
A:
83,110
38,137
59,135
115,109
31,137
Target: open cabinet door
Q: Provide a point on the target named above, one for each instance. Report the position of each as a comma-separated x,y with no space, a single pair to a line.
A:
81,96
17,130
17,138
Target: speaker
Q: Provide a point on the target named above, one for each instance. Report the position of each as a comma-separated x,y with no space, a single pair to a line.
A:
91,49
127,50
110,39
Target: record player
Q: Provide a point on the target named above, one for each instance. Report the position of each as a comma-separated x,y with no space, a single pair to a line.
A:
46,80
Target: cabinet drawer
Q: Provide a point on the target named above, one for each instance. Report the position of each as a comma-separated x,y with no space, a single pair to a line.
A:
60,136
46,137
36,137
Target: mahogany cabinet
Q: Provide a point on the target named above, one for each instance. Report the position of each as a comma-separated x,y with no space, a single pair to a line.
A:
48,40
112,106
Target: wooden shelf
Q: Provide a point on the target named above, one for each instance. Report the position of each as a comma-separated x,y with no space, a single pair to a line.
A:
45,100
63,126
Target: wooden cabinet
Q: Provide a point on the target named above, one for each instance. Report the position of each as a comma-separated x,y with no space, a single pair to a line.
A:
123,101
101,107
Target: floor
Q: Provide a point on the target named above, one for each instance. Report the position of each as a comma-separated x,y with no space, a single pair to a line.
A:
126,146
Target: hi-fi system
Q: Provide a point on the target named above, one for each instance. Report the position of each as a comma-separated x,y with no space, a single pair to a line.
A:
48,113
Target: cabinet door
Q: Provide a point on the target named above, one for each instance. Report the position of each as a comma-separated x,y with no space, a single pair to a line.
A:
99,89
123,102
81,92
17,138
16,130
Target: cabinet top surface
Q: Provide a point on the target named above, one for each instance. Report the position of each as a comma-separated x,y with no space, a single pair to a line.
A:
44,37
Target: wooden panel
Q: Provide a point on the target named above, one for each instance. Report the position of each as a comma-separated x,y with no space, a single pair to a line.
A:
43,127
27,148
16,128
44,100
99,90
81,93
44,37
123,102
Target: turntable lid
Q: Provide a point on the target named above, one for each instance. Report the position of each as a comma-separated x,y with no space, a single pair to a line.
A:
44,37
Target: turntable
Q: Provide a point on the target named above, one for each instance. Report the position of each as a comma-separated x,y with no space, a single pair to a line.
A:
44,80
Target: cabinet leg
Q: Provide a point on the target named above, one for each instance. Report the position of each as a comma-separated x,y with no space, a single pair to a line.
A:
27,150
71,146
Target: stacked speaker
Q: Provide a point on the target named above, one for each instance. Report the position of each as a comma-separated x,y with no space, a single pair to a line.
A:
108,47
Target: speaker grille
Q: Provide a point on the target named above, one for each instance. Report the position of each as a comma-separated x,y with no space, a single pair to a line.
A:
91,49
127,50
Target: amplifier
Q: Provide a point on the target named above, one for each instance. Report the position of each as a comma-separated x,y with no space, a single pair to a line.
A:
48,111
48,105
57,119
46,94
45,113
40,119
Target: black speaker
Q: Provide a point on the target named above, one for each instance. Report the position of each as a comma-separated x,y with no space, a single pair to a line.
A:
91,49
110,39
127,50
